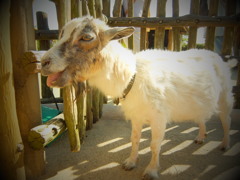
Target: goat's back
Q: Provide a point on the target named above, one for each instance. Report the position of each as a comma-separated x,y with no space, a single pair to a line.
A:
186,85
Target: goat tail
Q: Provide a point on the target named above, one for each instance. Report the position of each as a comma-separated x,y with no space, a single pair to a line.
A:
232,62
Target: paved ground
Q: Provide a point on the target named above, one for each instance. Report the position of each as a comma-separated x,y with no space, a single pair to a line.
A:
107,146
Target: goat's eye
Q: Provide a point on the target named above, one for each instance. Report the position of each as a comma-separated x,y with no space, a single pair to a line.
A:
86,37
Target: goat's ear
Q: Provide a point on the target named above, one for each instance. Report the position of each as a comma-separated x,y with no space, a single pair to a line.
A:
118,32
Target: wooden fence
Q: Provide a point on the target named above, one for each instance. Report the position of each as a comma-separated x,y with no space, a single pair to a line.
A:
22,111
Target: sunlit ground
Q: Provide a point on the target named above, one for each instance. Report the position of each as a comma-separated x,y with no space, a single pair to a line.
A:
107,145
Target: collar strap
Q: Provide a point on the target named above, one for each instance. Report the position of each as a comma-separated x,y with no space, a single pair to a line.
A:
126,91
129,87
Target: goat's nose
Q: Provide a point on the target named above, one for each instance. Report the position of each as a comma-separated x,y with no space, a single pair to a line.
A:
45,62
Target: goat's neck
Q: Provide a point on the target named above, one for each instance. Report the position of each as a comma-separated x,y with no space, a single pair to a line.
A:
119,66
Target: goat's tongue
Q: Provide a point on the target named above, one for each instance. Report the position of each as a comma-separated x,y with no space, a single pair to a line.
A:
52,78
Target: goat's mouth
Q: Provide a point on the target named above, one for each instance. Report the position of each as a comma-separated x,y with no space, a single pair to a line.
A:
53,80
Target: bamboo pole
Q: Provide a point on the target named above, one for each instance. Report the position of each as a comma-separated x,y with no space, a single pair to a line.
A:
70,107
42,24
160,31
11,150
143,33
210,34
192,39
26,85
176,30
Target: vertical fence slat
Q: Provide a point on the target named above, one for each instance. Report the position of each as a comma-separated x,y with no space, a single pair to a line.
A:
176,30
10,137
70,107
229,31
91,6
76,10
192,39
42,24
210,34
89,108
143,39
160,32
130,14
106,7
85,9
26,85
98,9
117,8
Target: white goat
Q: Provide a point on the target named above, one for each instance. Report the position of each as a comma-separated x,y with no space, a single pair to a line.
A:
164,86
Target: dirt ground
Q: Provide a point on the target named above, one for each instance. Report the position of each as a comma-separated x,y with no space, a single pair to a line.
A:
107,145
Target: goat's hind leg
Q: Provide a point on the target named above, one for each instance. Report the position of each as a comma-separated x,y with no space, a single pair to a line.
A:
225,107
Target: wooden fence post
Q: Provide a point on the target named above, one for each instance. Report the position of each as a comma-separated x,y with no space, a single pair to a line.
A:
70,107
160,31
176,30
26,85
12,148
192,39
106,7
210,34
130,14
229,31
42,24
143,33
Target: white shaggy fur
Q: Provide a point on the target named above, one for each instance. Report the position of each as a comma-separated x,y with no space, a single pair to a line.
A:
169,86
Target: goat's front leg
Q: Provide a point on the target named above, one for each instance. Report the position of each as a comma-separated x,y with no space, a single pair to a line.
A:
130,162
158,127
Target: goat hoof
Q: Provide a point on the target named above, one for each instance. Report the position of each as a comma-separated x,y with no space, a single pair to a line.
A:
128,165
151,175
223,147
198,141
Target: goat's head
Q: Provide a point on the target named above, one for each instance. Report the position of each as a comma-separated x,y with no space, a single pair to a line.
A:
75,57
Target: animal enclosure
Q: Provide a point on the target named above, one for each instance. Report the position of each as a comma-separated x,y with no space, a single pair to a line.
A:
22,111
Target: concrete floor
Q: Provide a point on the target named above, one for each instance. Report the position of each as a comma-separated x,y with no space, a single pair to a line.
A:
107,145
